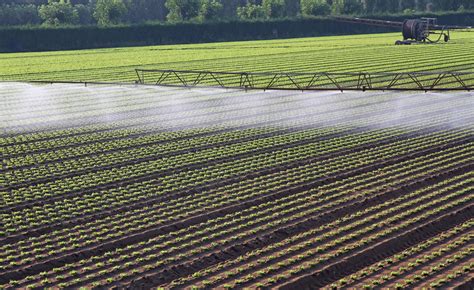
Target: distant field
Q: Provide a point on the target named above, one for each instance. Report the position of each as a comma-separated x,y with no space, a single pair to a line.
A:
372,53
142,186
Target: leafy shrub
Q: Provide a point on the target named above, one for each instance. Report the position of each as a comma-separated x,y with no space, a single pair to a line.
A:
210,10
58,12
347,7
315,7
251,11
109,12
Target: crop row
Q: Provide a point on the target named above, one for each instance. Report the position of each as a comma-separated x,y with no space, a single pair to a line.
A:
180,210
246,146
186,175
295,57
53,130
144,187
266,105
461,272
134,271
309,244
199,203
194,202
461,59
465,251
194,179
186,159
267,118
99,146
446,242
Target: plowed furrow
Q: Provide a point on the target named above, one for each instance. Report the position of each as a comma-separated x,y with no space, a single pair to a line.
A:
382,250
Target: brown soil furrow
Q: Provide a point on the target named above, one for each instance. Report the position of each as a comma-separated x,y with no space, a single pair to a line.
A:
425,281
450,270
166,275
30,204
394,267
465,281
286,256
340,205
175,153
338,257
47,229
326,215
197,165
192,166
214,132
424,170
237,156
163,155
468,284
382,250
97,250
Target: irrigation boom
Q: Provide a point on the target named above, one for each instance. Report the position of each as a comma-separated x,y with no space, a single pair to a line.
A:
397,81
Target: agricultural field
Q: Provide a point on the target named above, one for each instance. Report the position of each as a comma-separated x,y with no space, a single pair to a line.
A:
130,186
357,53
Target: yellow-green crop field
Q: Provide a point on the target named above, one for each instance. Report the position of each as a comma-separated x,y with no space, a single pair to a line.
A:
367,53
130,186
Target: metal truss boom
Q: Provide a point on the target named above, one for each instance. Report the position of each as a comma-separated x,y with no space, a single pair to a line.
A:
363,81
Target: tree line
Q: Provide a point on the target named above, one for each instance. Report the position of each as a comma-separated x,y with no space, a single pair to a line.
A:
113,12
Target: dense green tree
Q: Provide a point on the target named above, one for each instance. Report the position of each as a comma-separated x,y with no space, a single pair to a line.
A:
347,6
467,4
139,11
274,8
210,10
407,4
315,7
452,4
382,6
19,15
267,9
180,10
109,12
85,14
251,11
58,12
292,8
370,6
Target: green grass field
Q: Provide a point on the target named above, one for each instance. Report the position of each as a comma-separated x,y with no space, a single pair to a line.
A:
370,53
142,187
